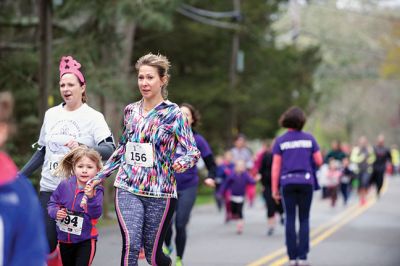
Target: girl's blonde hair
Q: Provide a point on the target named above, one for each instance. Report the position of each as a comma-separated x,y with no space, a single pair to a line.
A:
66,165
161,63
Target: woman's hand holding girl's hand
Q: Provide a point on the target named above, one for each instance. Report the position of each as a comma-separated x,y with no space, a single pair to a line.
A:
177,167
90,187
61,214
89,190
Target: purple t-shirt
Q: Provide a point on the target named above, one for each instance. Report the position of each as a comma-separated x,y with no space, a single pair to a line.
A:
236,183
296,149
190,177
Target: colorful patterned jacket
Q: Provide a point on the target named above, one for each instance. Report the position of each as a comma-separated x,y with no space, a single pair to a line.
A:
163,127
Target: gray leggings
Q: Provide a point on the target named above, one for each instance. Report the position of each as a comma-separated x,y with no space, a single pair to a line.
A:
143,221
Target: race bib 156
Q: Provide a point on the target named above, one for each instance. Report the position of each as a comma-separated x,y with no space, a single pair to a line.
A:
139,154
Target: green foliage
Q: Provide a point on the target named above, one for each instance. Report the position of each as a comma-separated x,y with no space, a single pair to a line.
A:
272,80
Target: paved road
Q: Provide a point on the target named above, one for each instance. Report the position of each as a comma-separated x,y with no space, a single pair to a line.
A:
352,235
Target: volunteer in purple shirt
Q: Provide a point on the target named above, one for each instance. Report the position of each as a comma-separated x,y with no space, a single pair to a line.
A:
187,183
295,156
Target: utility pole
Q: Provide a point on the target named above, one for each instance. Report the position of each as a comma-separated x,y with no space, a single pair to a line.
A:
45,39
233,79
236,65
294,12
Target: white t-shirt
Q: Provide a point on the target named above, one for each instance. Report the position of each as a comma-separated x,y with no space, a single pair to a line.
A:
85,125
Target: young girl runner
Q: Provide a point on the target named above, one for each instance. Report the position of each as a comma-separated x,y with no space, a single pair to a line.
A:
237,182
334,175
76,231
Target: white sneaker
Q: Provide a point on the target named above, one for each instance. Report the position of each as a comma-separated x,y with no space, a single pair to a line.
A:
303,263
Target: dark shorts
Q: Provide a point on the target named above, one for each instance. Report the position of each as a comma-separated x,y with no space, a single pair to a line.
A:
237,210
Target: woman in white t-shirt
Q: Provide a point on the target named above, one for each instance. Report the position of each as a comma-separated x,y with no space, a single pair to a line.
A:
66,126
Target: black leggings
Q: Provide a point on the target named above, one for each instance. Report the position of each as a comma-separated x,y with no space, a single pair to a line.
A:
377,179
184,206
50,223
78,254
272,206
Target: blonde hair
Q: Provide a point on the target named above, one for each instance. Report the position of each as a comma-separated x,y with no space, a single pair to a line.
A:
66,165
161,63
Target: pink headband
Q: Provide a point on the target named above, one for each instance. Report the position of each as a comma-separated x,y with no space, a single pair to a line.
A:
70,65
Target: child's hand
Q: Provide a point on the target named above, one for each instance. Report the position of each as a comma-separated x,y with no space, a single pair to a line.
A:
61,214
257,177
209,182
89,190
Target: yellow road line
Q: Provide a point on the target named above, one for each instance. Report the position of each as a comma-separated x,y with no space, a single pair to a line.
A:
337,218
333,225
270,257
282,251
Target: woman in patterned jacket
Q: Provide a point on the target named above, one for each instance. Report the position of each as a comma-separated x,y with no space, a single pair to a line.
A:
145,183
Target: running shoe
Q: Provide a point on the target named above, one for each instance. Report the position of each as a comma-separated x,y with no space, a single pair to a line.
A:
167,250
292,263
303,263
363,201
142,256
239,229
178,261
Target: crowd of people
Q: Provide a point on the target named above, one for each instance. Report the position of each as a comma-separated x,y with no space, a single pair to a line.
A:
157,177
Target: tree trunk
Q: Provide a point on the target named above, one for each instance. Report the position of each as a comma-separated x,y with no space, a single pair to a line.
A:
128,30
45,35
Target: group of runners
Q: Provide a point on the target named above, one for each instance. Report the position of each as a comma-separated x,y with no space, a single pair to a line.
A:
157,179
356,169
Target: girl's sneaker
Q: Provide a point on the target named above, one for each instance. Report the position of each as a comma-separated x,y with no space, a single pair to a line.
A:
142,256
239,228
167,250
178,261
292,263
